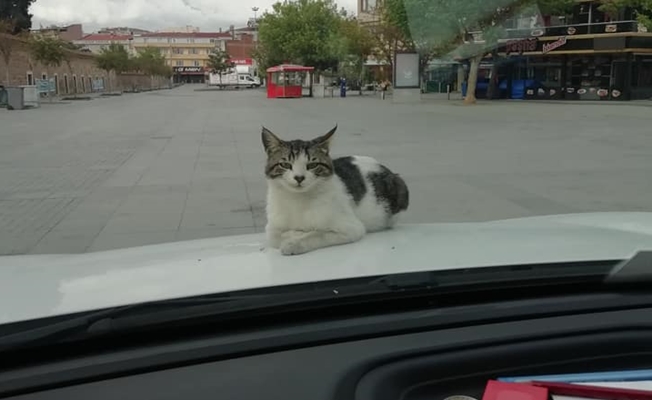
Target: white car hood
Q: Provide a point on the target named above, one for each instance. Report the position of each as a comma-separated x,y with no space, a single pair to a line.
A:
34,286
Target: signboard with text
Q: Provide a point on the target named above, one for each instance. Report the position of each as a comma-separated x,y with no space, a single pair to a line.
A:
242,61
189,70
45,85
98,85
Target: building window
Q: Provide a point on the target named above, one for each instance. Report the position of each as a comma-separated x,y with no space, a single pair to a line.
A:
193,51
368,5
30,78
44,76
56,83
74,83
83,84
179,63
196,63
66,88
177,50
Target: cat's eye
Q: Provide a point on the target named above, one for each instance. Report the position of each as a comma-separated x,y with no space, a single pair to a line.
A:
312,165
286,165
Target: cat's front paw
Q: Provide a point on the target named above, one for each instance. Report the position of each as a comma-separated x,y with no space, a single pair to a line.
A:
294,246
291,235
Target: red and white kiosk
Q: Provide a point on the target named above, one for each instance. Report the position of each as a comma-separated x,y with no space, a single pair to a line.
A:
286,80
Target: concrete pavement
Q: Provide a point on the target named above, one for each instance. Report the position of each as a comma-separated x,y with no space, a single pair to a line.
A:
182,164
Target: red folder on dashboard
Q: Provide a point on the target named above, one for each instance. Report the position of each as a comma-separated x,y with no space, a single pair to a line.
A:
593,392
496,390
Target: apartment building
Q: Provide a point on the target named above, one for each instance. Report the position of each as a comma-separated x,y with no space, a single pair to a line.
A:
186,52
368,11
67,32
95,42
123,30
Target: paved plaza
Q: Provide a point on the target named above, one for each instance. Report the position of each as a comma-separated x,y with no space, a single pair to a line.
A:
183,164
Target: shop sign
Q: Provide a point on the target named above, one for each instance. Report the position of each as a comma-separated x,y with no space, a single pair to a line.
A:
242,61
611,28
537,32
188,70
45,85
521,45
548,47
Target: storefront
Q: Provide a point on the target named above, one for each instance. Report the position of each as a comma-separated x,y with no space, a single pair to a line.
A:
442,76
585,67
189,74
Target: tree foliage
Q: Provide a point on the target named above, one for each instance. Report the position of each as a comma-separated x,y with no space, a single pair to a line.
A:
49,51
303,32
357,40
642,10
151,62
16,14
219,62
115,58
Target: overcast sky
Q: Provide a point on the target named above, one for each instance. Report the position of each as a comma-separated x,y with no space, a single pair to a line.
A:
209,15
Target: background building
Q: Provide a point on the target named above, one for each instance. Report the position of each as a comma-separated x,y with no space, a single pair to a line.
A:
68,32
123,30
186,52
95,42
368,11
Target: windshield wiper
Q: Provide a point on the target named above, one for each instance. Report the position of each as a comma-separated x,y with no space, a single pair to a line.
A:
307,296
99,322
636,270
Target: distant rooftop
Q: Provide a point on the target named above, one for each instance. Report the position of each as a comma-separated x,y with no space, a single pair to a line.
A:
106,36
213,35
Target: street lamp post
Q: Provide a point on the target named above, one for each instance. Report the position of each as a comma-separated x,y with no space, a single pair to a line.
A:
255,10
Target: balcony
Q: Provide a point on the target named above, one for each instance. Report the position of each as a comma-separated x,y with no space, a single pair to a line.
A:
576,29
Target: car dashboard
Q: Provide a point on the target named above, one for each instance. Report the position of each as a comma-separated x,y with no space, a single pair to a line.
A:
425,354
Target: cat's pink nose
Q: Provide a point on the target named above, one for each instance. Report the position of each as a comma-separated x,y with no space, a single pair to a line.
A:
299,178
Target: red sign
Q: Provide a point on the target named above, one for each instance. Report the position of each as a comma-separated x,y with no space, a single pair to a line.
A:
521,45
242,61
554,45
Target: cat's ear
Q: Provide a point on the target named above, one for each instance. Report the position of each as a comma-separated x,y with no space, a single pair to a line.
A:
324,142
271,142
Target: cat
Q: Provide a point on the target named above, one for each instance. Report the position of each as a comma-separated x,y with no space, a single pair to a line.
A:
314,201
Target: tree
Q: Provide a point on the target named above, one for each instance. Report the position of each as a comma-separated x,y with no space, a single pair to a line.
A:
219,63
48,51
16,13
357,43
642,10
470,28
301,32
114,58
150,61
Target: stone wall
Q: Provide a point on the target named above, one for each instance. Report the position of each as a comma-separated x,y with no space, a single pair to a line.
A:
140,82
23,70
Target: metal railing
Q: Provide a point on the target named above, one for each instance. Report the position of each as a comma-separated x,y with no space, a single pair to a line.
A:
574,29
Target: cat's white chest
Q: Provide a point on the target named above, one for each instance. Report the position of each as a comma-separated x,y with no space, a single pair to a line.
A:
292,211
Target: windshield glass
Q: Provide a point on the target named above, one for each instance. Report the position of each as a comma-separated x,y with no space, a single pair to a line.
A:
160,151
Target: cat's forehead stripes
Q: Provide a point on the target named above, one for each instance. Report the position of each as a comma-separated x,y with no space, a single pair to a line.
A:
296,148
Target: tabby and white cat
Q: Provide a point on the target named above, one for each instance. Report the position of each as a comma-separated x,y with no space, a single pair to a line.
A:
314,201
